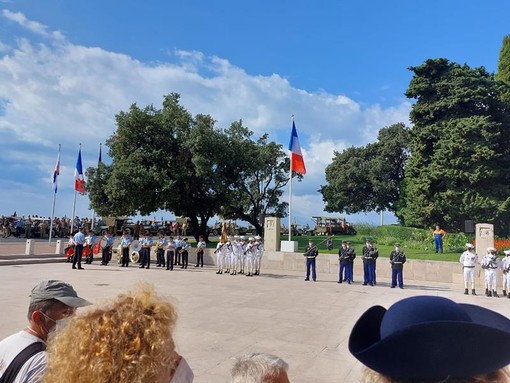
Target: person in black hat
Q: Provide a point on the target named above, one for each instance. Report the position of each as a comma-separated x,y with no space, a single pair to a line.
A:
51,303
397,260
432,339
370,254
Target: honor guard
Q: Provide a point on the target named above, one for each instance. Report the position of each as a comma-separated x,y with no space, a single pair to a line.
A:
228,256
250,253
259,251
370,254
185,253
311,253
469,260
170,253
90,241
242,254
125,242
160,254
146,242
346,258
106,251
490,265
220,255
505,267
234,255
397,260
201,245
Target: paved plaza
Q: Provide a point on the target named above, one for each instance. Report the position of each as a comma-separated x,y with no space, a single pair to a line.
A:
223,316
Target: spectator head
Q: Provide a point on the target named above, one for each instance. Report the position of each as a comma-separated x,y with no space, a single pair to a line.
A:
126,340
259,368
51,302
432,339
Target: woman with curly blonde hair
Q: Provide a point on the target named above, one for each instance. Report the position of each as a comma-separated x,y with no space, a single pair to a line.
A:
127,340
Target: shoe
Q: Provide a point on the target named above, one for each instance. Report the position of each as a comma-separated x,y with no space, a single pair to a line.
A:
182,267
74,267
141,267
314,280
401,287
371,284
307,279
158,265
392,287
465,291
473,292
340,281
148,267
81,268
196,265
504,293
489,294
495,294
218,272
364,284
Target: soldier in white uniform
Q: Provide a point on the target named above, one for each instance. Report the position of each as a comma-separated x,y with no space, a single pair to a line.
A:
469,260
505,267
234,255
227,252
220,255
490,264
242,254
259,250
250,253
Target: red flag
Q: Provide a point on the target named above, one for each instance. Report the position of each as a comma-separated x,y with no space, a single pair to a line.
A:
79,180
297,162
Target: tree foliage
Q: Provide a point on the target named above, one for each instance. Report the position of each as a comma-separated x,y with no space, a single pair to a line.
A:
167,159
368,178
503,74
459,168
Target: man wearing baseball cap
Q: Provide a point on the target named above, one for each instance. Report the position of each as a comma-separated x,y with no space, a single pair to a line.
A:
22,355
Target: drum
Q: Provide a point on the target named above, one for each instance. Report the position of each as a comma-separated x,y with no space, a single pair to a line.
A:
86,251
97,247
135,256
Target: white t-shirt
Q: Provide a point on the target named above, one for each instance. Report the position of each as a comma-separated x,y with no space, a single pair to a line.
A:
10,347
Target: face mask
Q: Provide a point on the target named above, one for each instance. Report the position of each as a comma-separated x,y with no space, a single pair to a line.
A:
59,324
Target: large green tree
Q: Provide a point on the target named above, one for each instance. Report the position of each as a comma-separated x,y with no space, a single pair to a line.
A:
167,159
503,73
368,178
459,167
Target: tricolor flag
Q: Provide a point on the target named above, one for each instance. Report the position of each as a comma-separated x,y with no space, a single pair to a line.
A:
56,172
100,159
79,180
297,162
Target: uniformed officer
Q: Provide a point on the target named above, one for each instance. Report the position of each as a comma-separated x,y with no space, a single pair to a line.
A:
242,254
201,245
160,252
469,260
234,255
490,264
220,255
184,253
397,260
146,251
250,253
505,267
346,259
311,253
107,248
259,251
90,241
79,240
370,254
125,242
170,253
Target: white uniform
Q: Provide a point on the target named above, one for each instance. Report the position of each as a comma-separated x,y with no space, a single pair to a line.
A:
505,267
242,255
220,256
490,264
250,253
235,256
469,260
257,259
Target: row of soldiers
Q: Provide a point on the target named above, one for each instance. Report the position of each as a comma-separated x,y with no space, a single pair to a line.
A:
234,255
490,263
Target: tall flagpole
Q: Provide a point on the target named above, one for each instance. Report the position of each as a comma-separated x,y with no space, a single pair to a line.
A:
55,177
74,199
290,191
93,211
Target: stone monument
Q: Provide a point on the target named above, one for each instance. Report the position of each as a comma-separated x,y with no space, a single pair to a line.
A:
272,234
484,238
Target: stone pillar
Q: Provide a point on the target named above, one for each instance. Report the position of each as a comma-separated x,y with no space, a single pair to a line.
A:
59,249
484,238
272,234
29,248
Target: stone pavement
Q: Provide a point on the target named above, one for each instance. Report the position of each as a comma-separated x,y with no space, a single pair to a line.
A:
223,316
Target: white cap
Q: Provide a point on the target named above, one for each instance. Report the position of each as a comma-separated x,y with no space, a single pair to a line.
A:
250,239
491,249
507,252
257,237
470,245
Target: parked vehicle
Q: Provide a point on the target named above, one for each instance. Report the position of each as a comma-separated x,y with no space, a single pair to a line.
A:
332,226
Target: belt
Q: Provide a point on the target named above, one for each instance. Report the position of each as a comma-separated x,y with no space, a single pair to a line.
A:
469,267
492,268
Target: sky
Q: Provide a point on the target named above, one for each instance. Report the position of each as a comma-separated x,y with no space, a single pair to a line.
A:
339,67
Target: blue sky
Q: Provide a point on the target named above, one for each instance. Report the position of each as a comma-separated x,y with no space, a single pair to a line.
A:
67,67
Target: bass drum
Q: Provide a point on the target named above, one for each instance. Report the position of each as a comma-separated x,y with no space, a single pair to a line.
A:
134,256
118,253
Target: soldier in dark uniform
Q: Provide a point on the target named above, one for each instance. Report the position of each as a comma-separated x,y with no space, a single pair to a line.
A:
370,254
346,258
397,260
311,252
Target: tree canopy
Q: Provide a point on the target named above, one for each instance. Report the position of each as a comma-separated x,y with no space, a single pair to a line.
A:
167,159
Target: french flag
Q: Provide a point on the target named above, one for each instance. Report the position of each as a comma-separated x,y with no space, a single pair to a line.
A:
79,180
297,162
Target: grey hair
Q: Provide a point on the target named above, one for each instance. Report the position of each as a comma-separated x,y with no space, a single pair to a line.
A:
256,368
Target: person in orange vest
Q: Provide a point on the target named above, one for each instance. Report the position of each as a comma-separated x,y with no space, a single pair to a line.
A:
438,236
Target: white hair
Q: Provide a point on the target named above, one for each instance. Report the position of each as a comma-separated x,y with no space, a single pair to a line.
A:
256,368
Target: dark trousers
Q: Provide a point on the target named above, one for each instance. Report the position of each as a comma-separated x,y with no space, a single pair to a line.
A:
105,255
78,252
125,256
200,258
177,259
184,259
438,241
170,259
342,272
146,257
397,276
160,256
310,264
369,273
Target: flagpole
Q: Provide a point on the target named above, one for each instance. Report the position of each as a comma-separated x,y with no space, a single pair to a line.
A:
290,190
54,195
74,199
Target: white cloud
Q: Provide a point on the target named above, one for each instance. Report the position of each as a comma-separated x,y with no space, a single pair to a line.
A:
59,92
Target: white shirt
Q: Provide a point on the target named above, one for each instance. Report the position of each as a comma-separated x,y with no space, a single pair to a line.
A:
33,368
468,258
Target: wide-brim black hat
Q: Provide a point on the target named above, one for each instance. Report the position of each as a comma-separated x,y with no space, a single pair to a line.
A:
428,337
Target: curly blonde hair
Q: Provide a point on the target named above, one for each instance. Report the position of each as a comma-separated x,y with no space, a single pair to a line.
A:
127,340
499,376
